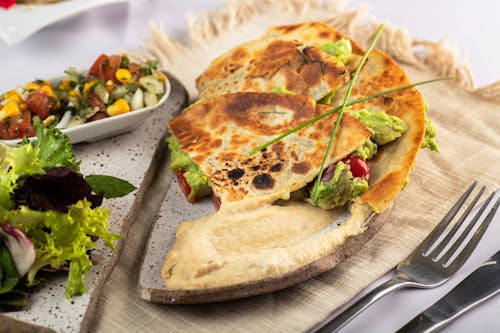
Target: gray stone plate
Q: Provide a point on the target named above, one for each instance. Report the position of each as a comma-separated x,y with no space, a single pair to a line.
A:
176,209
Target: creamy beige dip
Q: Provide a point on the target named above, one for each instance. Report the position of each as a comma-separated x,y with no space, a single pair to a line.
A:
245,243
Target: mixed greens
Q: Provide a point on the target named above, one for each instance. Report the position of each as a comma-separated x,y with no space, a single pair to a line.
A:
49,214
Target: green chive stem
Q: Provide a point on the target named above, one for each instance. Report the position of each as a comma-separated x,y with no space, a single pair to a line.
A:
335,109
341,112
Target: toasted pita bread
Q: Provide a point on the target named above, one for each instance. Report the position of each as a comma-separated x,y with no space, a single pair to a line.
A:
217,133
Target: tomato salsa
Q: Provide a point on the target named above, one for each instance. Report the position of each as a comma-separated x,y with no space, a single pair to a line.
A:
113,85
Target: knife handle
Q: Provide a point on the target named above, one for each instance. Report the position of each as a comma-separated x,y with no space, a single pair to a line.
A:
475,289
331,325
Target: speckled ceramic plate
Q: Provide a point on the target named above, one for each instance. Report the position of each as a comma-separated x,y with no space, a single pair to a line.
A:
176,209
132,156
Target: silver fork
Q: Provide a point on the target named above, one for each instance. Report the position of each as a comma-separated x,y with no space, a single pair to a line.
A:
423,268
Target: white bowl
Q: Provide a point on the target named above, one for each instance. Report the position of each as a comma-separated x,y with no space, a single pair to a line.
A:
106,127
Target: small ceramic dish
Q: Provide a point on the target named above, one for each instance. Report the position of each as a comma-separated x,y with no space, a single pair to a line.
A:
102,128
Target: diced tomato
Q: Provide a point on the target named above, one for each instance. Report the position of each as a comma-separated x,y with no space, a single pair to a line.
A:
134,67
7,3
215,200
358,166
18,128
26,126
184,185
40,103
97,116
95,101
96,67
4,131
110,67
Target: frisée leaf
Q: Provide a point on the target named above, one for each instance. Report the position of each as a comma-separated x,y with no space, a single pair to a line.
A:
54,148
61,238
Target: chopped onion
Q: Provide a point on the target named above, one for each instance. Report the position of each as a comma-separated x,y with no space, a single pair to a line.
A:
102,93
66,118
150,99
137,101
151,84
119,91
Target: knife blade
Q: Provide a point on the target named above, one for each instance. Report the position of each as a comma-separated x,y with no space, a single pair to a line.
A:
478,287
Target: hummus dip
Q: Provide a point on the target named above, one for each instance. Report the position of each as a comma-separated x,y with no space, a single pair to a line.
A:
246,243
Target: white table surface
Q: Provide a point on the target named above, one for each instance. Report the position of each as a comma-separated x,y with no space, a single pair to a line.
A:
471,25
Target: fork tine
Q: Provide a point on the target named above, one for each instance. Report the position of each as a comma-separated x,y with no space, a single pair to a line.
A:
467,250
438,230
435,253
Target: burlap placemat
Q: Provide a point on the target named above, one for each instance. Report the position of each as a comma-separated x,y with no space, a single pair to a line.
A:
469,135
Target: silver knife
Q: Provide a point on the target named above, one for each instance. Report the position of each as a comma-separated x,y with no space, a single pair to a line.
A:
478,287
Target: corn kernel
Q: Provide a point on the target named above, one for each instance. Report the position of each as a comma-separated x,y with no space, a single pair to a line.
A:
9,110
119,107
48,90
89,85
73,93
12,95
162,78
123,75
65,85
49,120
32,86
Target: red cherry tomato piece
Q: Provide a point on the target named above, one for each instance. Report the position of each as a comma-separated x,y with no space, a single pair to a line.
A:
358,166
26,126
216,201
95,102
95,70
7,3
110,67
184,185
40,103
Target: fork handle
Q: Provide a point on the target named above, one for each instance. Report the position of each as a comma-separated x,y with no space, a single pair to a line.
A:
332,325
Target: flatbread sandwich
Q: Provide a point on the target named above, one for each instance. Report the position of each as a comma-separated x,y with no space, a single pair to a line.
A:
270,230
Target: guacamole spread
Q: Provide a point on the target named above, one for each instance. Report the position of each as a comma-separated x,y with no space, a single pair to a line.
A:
385,128
199,183
341,50
340,189
430,135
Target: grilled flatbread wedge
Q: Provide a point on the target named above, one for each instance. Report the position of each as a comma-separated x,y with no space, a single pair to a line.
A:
217,133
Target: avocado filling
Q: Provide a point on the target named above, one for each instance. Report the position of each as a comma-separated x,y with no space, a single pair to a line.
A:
341,50
341,188
198,182
430,133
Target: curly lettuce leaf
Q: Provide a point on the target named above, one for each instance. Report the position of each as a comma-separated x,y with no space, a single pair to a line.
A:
54,148
61,238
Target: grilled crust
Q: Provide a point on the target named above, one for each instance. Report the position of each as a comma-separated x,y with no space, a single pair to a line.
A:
390,169
217,133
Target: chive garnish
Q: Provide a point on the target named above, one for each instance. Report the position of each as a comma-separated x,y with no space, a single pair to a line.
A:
335,109
341,112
